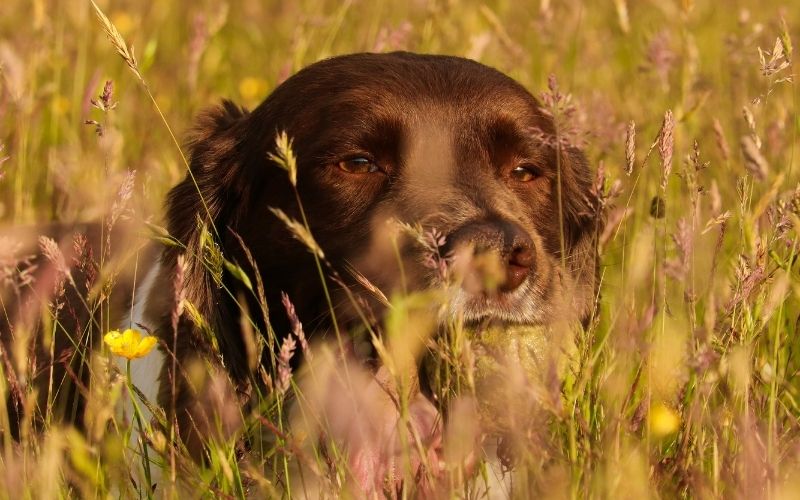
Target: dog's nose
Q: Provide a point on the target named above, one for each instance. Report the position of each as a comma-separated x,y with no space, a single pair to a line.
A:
494,255
518,264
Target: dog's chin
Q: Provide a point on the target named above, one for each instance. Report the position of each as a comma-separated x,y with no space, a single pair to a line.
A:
522,306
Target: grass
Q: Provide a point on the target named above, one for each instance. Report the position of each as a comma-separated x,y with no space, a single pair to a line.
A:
684,385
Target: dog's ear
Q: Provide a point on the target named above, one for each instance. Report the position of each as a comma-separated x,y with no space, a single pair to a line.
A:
581,226
214,168
576,186
205,203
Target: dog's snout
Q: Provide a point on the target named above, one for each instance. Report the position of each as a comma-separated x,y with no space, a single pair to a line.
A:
495,255
518,263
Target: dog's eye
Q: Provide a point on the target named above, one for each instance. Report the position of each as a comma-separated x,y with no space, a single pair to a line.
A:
358,166
524,174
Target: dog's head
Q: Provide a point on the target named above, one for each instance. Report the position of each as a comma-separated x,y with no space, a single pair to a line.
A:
447,143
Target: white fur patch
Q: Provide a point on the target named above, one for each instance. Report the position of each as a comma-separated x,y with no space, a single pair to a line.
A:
498,483
145,371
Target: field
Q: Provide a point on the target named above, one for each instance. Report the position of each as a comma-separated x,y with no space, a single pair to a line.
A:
685,384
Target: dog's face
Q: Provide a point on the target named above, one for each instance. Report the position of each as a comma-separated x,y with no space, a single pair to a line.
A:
443,142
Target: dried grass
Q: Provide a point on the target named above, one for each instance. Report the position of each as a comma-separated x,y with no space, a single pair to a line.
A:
684,384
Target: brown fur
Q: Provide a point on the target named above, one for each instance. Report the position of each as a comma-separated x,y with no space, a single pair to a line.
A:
446,133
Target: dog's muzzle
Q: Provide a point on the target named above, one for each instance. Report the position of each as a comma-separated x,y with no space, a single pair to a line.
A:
491,256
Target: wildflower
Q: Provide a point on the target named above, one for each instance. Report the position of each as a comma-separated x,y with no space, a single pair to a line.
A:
60,105
601,194
297,326
124,22
83,259
103,101
98,127
284,363
663,421
564,113
251,88
197,45
661,57
390,39
130,344
434,242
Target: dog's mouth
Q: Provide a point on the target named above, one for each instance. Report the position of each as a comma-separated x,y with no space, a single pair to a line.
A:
494,286
518,307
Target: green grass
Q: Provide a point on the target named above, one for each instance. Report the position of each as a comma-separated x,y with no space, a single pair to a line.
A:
685,385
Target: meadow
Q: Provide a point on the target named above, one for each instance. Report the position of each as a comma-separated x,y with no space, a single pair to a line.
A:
685,383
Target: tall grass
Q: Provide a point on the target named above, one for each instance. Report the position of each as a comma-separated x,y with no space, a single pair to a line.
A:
684,384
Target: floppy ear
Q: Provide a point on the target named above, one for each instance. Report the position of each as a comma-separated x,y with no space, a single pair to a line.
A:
206,203
576,185
581,225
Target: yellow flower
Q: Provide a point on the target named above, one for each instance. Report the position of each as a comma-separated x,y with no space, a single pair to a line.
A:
123,21
130,343
251,88
663,421
60,105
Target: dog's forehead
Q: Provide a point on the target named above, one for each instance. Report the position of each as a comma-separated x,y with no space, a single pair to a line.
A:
457,99
429,153
400,86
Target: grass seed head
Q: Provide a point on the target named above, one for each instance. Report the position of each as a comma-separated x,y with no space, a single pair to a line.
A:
666,144
630,148
118,42
284,156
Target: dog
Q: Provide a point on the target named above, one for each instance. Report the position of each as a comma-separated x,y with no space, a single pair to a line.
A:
439,141
444,144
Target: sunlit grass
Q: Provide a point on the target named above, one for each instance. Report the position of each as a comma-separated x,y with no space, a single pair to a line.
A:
685,382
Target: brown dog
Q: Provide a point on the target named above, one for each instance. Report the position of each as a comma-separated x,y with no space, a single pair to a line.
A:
441,141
